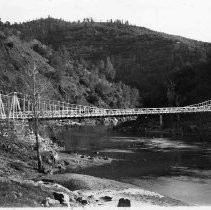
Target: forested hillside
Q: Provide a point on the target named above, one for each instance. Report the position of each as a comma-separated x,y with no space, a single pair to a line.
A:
61,76
91,61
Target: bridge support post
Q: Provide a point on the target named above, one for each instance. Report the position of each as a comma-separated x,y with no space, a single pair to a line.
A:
15,107
2,111
161,120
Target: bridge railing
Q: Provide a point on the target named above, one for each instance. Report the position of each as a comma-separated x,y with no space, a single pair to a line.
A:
16,107
206,103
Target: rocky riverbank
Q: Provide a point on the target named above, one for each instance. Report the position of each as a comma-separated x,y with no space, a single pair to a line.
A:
22,186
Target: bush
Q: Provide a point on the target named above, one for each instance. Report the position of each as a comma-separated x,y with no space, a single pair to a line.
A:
93,98
103,89
85,81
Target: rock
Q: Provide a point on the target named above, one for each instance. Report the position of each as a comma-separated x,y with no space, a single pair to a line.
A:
82,201
79,199
106,198
48,185
66,163
124,203
53,202
82,156
91,196
63,198
50,202
45,203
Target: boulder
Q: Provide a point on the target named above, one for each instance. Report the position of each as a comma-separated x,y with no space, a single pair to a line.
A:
63,198
82,201
49,202
106,198
124,202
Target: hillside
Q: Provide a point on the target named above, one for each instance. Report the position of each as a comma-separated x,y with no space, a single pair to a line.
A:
166,69
60,77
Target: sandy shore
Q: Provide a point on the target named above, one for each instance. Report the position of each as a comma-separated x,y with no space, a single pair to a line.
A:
93,191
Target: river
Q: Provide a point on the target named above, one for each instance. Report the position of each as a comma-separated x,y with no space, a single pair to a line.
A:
176,167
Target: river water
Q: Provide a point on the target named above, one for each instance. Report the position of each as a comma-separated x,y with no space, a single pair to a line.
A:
176,167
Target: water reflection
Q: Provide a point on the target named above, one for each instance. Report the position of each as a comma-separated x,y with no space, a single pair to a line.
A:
179,168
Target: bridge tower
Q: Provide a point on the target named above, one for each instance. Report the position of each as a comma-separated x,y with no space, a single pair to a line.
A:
2,110
15,106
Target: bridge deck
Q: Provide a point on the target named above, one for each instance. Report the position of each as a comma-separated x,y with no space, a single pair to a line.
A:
14,107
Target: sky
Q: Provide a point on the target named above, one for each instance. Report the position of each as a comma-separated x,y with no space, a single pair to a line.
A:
188,18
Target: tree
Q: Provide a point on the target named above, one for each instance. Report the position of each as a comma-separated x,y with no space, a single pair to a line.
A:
171,95
103,89
35,99
110,71
183,83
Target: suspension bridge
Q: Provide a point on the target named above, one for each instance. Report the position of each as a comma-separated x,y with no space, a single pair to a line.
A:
18,106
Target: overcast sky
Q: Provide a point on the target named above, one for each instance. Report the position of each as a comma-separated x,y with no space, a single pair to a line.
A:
189,18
